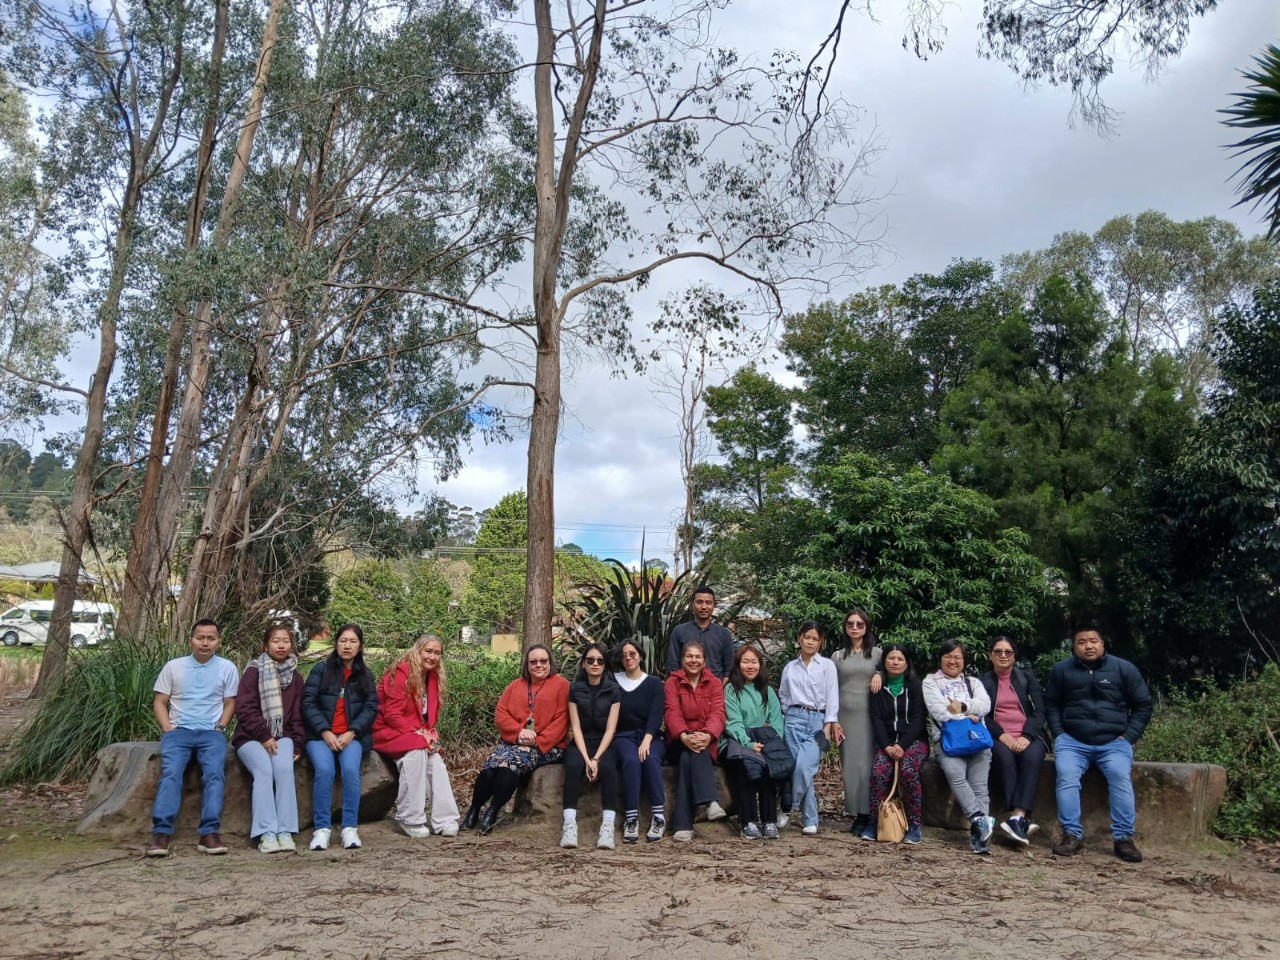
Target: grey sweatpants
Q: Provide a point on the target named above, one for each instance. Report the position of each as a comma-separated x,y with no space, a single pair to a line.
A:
968,779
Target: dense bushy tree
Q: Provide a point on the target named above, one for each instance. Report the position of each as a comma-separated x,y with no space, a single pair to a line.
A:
926,558
877,367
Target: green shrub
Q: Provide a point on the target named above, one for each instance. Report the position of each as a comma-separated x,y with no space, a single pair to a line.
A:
1236,728
105,698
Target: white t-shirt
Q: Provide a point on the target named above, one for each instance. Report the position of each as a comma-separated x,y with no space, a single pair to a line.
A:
196,690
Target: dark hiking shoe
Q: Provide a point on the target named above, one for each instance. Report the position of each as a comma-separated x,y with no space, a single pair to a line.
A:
211,843
1068,845
1127,851
159,845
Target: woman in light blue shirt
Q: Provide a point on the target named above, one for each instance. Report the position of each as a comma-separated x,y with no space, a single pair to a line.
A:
810,696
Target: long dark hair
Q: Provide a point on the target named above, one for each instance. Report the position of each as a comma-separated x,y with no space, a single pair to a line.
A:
361,677
599,648
869,639
761,682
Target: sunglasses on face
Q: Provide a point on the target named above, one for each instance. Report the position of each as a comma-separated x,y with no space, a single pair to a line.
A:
593,660
539,663
854,623
1002,653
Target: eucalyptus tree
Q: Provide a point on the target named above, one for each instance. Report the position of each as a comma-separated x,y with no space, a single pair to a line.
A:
636,100
33,332
390,192
1164,283
115,80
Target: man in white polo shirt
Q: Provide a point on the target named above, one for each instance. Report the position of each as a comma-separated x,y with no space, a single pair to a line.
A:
195,698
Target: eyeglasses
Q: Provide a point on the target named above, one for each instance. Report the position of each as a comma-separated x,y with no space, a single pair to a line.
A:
1002,653
538,663
594,660
629,655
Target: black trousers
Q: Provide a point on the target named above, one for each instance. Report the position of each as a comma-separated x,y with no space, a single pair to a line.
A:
1018,773
695,783
754,800
575,768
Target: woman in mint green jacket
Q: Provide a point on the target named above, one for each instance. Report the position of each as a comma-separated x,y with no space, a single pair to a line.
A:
753,719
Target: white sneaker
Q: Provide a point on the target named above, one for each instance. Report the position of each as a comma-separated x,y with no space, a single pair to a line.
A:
320,839
449,830
350,838
784,819
569,835
285,842
715,811
683,836
809,829
419,831
605,842
267,843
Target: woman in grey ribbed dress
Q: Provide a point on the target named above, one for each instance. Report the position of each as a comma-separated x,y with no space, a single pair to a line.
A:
856,670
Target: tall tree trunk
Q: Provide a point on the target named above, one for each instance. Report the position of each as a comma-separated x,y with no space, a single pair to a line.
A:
176,482
142,151
552,195
145,589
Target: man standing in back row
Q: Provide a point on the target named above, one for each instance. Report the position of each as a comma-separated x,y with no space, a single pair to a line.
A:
715,639
1097,706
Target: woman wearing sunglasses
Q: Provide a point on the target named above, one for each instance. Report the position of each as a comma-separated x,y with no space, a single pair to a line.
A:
1016,722
858,674
594,702
533,721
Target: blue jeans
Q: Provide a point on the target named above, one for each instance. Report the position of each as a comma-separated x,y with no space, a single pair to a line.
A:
349,760
802,726
177,747
1115,759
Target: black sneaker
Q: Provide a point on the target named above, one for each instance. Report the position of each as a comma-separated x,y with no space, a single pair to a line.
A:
1068,845
1127,851
976,842
859,824
1015,828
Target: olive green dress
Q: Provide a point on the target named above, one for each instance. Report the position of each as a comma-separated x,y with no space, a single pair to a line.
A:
857,752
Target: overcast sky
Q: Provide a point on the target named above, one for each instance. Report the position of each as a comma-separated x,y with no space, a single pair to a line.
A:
973,165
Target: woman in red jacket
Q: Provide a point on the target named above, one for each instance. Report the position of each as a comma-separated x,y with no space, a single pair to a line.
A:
695,719
410,696
269,738
533,721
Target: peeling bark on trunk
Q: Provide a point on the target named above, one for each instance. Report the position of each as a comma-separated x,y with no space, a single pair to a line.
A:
145,594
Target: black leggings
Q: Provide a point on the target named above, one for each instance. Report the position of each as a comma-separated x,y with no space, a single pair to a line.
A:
500,783
755,800
575,768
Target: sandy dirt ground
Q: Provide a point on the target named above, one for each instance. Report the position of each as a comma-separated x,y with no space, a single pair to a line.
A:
515,894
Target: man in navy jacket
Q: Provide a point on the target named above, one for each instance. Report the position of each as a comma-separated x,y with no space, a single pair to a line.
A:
1097,706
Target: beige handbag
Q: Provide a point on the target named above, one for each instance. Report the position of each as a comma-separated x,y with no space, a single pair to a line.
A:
891,819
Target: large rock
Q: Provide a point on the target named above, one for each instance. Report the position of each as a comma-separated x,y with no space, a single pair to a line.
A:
541,799
124,786
1177,802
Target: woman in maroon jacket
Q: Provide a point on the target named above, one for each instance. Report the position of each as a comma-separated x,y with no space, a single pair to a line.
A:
269,738
410,696
695,719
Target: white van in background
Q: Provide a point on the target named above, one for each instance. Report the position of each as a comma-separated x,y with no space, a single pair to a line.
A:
92,623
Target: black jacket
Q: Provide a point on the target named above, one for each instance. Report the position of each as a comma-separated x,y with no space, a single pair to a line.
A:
1027,687
1097,703
900,719
318,708
593,705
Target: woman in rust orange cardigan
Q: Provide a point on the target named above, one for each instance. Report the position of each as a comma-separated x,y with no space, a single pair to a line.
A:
533,721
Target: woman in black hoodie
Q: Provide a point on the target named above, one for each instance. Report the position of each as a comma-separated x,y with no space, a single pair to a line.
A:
898,719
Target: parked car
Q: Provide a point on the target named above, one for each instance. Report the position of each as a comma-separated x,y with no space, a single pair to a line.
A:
92,624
